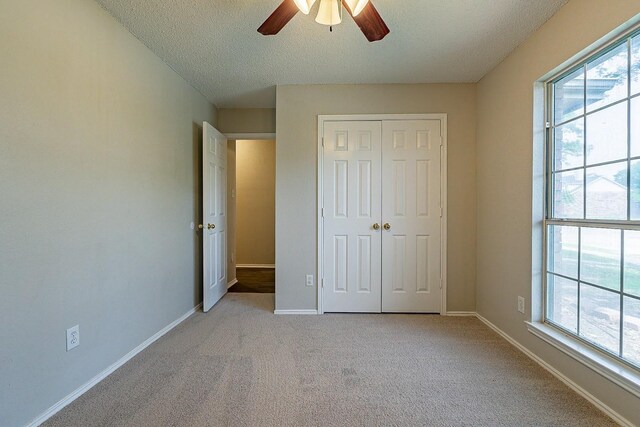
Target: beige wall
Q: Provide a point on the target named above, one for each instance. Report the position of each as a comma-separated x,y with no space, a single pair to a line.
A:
256,197
99,182
296,160
505,181
247,120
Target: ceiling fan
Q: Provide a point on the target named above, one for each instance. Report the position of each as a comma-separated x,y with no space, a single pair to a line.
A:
329,13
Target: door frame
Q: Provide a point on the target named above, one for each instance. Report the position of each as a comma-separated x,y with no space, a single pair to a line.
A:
251,136
231,136
442,117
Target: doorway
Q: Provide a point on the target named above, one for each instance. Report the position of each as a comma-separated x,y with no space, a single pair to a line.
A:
251,201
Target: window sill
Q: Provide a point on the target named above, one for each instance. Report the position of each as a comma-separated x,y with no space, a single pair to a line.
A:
617,372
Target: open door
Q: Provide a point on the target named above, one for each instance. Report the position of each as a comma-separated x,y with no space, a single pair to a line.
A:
214,216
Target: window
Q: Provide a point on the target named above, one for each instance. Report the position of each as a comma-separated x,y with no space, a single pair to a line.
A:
592,283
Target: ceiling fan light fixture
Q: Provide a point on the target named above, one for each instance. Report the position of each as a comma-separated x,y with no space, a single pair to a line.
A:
363,13
329,12
356,6
304,5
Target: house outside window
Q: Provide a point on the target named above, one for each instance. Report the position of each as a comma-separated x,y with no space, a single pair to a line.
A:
592,221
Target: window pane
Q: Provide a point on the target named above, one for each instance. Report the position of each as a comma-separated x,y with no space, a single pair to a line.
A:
568,100
569,145
563,250
635,64
607,78
568,191
600,257
607,134
593,272
562,303
632,262
607,191
634,127
600,317
635,190
631,327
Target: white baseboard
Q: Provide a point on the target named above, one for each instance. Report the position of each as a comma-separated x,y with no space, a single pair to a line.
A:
102,375
231,283
255,266
304,312
559,375
461,313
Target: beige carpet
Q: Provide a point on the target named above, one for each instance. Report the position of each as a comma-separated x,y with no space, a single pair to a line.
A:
240,365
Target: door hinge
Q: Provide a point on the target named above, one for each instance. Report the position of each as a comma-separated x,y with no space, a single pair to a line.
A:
441,141
441,283
547,125
441,212
323,142
322,283
321,212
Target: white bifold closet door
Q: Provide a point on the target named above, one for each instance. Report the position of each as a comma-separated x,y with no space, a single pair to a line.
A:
382,216
411,215
352,205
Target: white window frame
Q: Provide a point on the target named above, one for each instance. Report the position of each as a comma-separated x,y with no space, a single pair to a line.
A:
610,366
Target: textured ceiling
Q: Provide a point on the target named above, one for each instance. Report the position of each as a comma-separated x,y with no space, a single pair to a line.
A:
214,44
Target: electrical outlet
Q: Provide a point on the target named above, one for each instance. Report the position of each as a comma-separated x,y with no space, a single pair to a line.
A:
73,337
309,279
521,304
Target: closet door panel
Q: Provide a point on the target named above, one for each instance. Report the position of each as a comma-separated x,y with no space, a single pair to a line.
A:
411,214
352,205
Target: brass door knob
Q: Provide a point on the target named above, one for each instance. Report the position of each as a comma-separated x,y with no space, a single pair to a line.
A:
387,226
211,226
200,226
376,226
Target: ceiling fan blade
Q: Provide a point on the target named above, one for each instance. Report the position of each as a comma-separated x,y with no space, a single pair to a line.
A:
370,22
279,18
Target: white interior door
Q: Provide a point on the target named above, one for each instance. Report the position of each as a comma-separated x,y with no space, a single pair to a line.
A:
411,215
351,207
214,178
